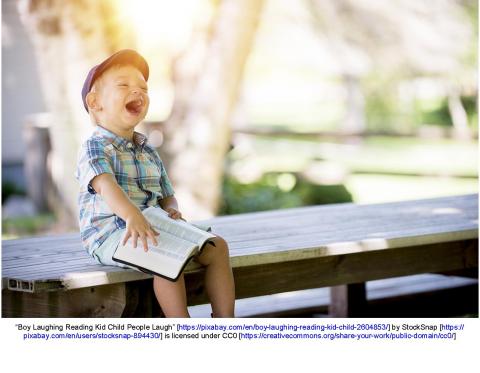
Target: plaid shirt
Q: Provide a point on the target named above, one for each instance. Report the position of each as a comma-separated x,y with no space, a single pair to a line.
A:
138,170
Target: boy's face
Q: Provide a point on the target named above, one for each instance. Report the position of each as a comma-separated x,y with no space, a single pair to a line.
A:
121,98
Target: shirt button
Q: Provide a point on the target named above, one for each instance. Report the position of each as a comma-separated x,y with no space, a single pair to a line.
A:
129,145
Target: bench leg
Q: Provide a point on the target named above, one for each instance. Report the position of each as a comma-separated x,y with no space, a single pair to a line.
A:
99,301
140,300
348,300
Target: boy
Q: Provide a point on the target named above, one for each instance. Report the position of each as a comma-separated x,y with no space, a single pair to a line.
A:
120,175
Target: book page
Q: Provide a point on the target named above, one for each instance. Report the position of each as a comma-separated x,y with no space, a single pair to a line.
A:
171,246
177,242
178,228
167,258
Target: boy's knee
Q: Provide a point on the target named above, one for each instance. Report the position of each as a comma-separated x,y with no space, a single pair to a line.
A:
220,242
221,246
218,249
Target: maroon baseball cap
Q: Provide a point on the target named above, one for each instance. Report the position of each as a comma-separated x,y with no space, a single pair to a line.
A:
123,57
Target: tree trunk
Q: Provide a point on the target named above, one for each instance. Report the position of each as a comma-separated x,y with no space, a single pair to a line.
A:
69,38
197,135
36,160
354,120
327,21
461,130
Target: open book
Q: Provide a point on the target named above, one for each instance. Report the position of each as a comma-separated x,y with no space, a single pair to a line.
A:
178,242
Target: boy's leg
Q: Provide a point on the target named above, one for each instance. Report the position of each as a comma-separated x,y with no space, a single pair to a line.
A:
171,296
219,278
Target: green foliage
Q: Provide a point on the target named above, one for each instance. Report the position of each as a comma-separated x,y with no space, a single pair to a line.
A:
470,105
435,113
384,111
26,226
266,194
381,108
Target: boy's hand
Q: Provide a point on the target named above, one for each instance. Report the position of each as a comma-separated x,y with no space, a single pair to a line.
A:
173,213
139,228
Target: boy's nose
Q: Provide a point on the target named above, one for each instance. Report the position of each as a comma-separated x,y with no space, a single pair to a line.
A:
139,91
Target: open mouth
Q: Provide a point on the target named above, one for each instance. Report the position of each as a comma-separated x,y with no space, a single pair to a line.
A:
134,107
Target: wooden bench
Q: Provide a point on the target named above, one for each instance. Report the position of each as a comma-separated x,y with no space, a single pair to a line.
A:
424,295
340,246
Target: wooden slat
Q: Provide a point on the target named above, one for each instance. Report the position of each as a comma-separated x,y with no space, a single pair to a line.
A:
25,264
346,219
67,262
100,301
311,301
343,269
269,237
368,223
348,300
465,204
280,253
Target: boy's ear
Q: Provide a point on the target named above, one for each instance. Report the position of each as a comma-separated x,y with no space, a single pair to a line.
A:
92,101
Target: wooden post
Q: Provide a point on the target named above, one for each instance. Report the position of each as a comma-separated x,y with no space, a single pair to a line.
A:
348,300
140,300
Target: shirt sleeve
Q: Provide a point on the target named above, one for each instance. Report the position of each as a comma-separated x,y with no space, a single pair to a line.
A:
167,188
93,160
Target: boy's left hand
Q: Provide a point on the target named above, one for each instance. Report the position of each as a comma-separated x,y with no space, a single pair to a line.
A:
173,213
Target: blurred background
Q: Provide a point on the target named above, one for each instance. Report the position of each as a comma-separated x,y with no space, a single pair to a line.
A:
255,104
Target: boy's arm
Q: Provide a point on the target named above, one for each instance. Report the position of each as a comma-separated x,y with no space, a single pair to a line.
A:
138,226
170,205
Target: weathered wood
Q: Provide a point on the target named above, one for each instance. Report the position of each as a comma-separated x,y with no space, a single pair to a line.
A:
394,297
268,237
271,252
343,269
388,291
98,301
469,273
348,300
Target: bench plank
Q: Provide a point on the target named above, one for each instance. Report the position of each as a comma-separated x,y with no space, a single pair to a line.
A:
266,238
324,271
100,301
304,303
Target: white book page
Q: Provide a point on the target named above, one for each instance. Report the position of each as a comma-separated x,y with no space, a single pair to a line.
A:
167,244
171,246
163,259
177,241
178,228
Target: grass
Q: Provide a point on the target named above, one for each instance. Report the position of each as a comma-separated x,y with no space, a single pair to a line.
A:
26,226
376,169
441,157
374,155
379,188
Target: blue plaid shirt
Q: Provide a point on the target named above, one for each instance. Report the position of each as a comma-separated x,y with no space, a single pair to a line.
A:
138,170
